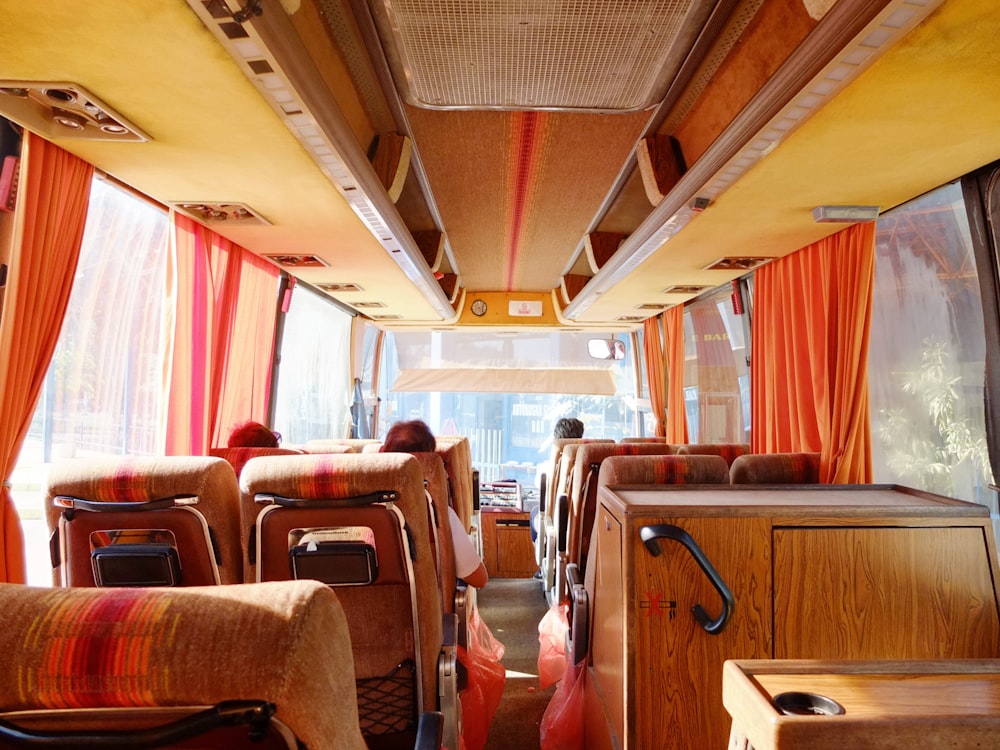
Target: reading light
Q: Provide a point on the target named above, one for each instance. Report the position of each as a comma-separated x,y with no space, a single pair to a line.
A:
68,119
847,214
60,109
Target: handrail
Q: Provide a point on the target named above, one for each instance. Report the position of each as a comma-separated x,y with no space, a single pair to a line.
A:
255,714
650,535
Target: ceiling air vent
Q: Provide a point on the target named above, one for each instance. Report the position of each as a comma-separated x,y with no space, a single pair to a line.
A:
653,306
234,214
298,261
368,304
685,289
340,287
736,264
631,318
387,317
617,55
64,110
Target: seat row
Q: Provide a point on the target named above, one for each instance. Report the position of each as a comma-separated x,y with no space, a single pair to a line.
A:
373,526
454,450
570,499
264,666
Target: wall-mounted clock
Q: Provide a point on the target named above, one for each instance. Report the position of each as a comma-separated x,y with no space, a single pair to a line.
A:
478,308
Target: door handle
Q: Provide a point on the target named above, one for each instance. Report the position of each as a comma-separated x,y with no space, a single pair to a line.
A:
650,536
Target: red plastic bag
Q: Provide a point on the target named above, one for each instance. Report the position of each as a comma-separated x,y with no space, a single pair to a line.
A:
552,630
487,677
562,722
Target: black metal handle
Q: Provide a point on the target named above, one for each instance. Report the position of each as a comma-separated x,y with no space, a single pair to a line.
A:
650,535
255,714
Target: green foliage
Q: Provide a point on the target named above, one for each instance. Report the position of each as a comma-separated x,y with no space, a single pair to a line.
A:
923,444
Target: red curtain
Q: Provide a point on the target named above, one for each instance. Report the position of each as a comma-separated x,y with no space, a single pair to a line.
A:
673,328
656,374
809,372
48,230
222,338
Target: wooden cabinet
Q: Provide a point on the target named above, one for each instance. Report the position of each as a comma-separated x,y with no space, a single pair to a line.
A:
891,705
826,572
507,548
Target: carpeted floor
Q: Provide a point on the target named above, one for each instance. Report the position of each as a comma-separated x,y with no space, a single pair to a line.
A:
512,608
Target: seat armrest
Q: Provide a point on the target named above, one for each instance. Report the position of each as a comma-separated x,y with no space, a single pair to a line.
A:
578,635
462,609
448,669
430,731
562,530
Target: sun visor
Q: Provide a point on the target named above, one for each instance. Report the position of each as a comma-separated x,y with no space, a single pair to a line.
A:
466,380
535,362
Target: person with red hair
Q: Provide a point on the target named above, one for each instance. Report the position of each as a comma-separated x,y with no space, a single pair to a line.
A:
252,434
416,437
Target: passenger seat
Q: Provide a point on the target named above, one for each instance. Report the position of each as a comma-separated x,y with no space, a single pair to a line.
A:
226,664
359,522
165,521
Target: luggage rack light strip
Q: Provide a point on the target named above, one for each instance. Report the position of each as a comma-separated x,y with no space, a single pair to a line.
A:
675,211
319,136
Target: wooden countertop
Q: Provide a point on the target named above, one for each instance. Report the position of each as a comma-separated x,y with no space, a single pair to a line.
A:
791,502
887,705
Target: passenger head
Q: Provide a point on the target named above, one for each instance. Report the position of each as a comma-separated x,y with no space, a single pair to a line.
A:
409,437
568,427
252,434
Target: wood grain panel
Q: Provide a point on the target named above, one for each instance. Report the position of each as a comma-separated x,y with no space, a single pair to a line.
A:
488,524
891,705
515,552
676,684
876,593
606,588
507,548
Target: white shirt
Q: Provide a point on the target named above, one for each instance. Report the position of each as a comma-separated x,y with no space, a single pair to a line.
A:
466,557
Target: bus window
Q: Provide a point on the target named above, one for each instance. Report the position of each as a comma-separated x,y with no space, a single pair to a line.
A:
509,401
716,374
101,395
314,391
927,355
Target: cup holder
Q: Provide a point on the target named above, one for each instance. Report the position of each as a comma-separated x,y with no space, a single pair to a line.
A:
807,704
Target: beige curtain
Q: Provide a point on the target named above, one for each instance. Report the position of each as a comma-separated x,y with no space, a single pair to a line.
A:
656,372
673,328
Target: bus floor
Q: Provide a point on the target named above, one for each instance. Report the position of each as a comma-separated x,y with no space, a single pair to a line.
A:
512,608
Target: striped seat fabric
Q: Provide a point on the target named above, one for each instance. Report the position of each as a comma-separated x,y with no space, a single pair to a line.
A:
122,503
73,651
729,451
676,469
237,457
776,468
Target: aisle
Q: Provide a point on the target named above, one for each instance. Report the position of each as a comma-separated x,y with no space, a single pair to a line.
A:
512,607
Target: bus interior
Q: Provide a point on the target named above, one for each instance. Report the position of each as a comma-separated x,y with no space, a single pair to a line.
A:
768,224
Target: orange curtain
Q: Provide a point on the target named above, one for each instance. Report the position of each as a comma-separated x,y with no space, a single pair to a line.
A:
656,374
673,327
809,373
48,231
222,338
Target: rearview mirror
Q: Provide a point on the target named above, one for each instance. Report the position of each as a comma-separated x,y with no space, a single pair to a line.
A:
606,348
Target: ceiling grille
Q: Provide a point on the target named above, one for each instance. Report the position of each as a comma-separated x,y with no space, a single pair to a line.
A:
532,54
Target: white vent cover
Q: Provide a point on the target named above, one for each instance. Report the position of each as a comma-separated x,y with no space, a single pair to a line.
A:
611,55
213,213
